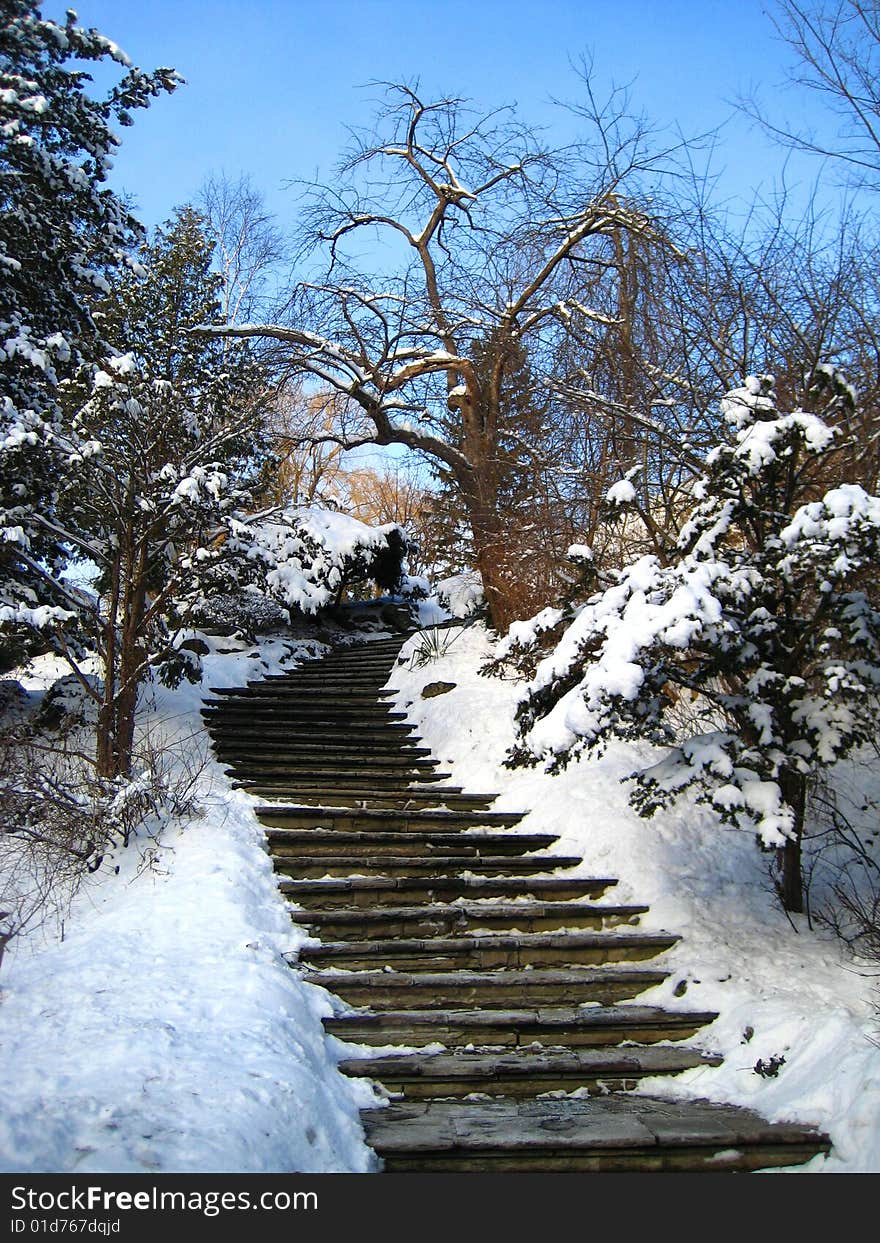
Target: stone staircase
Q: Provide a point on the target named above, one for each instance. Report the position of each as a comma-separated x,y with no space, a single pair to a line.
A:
492,996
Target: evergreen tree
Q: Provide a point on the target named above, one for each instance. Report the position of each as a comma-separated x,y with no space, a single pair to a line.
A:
767,618
162,439
62,234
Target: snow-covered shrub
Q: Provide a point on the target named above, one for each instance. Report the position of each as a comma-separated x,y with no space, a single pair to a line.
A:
302,559
461,594
767,613
250,612
67,704
414,587
60,820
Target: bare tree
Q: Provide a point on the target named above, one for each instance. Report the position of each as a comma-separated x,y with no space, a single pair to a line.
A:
304,465
837,44
443,229
248,245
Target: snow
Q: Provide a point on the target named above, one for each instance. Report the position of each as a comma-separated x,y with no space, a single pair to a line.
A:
461,594
306,552
166,1031
780,988
621,493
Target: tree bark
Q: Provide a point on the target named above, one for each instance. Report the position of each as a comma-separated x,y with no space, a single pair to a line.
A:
791,881
123,662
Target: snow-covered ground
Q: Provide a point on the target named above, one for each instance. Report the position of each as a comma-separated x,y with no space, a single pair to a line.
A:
781,989
166,1032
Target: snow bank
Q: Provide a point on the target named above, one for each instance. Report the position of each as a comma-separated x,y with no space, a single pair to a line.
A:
166,1031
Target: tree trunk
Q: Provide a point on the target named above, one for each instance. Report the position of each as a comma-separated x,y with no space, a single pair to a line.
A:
508,577
491,549
788,857
123,660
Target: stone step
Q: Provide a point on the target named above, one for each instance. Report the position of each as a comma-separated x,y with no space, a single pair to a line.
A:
390,738
380,668
318,673
419,865
376,891
292,748
375,775
315,716
362,798
308,700
364,651
490,990
502,949
523,1072
319,693
351,753
462,919
558,1025
403,819
338,682
232,714
376,770
614,1133
358,655
358,664
420,843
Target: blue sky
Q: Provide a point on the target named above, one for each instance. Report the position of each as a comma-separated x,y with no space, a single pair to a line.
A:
272,84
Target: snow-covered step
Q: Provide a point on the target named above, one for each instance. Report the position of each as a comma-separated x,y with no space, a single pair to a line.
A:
418,864
504,949
425,990
523,1072
317,710
293,762
383,731
372,688
463,919
288,843
393,757
311,798
552,1025
338,666
371,892
615,1133
301,709
302,747
321,676
301,694
463,813
384,774
358,655
247,733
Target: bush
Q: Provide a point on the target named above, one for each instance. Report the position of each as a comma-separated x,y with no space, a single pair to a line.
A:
60,821
766,614
300,560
